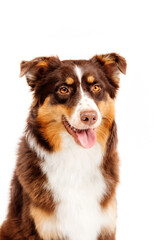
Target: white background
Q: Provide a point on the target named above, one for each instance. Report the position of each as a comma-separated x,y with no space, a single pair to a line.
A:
81,29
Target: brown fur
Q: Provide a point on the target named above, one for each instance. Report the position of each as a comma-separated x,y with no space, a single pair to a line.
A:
110,166
107,111
105,236
30,201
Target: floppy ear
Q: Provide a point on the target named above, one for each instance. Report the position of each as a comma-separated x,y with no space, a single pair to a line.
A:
36,69
112,64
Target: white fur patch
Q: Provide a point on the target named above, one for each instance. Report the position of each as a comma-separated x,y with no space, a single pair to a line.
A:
77,185
79,73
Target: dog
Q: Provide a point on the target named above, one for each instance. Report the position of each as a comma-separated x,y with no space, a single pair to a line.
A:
67,170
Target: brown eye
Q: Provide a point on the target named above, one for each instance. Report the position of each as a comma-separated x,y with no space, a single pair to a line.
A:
64,90
96,88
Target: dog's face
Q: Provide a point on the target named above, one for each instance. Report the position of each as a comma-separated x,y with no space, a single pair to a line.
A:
74,96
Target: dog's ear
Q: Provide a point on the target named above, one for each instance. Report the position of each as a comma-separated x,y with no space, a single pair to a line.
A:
112,64
36,69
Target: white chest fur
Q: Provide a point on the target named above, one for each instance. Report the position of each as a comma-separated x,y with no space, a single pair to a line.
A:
77,185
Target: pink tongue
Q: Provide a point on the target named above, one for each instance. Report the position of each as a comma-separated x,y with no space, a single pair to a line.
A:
87,138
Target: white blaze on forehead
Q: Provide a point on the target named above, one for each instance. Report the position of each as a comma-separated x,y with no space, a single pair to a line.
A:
79,73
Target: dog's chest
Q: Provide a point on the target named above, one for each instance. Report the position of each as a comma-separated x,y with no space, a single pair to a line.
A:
77,184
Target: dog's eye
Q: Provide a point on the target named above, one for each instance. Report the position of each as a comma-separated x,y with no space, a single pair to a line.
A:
96,88
64,90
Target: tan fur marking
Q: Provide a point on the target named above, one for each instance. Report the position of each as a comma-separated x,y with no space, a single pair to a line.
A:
90,79
110,212
102,131
42,64
69,80
50,119
44,222
107,59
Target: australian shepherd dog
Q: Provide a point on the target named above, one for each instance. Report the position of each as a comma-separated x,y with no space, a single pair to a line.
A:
67,170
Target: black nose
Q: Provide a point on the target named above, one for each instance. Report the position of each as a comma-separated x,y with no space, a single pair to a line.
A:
88,117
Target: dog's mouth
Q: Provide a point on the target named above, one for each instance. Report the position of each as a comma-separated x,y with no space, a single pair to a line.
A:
84,137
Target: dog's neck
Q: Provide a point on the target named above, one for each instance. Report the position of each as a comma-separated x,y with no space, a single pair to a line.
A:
69,146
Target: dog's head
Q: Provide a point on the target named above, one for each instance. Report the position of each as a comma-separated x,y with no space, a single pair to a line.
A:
76,96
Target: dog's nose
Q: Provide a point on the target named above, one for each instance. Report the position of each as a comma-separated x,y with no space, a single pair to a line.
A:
88,117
